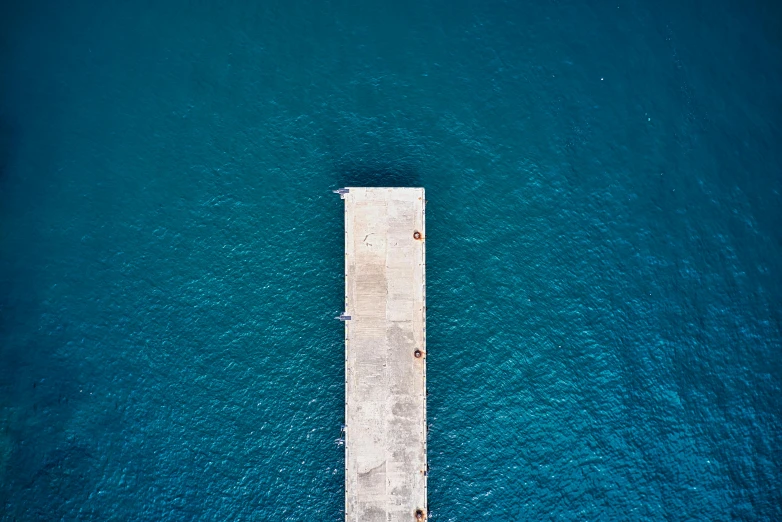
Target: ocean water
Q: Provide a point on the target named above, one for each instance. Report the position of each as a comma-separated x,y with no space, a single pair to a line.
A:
604,184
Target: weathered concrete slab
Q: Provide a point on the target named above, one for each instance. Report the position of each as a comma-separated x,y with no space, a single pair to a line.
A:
385,379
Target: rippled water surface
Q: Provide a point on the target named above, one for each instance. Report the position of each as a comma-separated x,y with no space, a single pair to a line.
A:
604,246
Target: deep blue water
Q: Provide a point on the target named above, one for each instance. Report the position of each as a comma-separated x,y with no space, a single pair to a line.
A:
604,253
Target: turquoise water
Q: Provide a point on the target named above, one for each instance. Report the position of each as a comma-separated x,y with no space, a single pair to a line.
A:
603,226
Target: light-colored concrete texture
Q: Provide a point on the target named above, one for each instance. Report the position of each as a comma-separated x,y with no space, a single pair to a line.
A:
385,379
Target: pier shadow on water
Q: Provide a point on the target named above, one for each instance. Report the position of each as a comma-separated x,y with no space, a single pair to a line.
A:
377,173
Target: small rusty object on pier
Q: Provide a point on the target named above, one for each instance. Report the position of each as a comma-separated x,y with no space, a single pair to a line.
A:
419,514
416,235
418,353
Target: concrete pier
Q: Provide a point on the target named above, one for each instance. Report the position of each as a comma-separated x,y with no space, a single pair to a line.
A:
385,354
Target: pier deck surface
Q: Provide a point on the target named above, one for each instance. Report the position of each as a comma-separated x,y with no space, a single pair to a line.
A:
385,380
